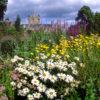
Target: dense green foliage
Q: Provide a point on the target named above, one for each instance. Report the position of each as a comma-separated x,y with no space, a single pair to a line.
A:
5,77
97,22
7,47
85,15
3,7
89,19
6,29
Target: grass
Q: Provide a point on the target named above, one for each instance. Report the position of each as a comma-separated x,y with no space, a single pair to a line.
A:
5,79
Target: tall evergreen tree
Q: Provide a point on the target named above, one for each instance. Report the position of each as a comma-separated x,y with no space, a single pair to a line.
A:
3,8
17,23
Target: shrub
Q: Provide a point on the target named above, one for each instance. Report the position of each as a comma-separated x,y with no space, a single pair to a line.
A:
48,77
7,47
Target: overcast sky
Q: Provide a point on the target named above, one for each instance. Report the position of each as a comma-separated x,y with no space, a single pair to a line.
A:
49,9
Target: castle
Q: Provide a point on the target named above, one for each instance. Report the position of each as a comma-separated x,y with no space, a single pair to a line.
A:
33,20
34,24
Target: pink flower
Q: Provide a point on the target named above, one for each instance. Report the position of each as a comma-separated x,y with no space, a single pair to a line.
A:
15,76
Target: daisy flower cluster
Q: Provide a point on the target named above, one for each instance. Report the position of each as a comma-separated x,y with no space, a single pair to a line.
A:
49,77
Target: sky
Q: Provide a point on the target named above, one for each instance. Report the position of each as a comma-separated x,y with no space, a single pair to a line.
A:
48,9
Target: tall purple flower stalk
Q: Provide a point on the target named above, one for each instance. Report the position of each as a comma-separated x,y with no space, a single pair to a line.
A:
75,29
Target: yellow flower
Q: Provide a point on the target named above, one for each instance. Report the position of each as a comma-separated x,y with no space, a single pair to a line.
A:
42,48
53,51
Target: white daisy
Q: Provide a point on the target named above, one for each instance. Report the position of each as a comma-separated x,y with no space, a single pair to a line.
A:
44,75
50,65
30,73
41,64
53,78
69,79
51,93
13,60
19,85
26,90
61,76
13,84
21,93
27,62
41,88
72,65
37,95
30,97
75,72
43,56
35,81
23,81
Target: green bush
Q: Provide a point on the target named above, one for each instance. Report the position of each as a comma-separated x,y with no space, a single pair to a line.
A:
7,47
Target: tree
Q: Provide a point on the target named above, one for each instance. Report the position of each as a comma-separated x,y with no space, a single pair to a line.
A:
97,22
3,8
17,23
85,15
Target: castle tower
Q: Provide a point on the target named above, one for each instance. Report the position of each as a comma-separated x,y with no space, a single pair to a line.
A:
33,20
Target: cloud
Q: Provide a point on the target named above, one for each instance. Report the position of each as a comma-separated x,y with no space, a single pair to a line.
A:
49,8
10,2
